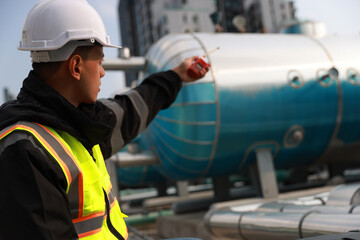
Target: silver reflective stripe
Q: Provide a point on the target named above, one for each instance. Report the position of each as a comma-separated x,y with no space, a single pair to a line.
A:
17,136
140,107
117,141
111,196
85,226
13,138
89,225
58,151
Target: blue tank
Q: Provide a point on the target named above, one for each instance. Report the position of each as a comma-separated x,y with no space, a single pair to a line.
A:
296,95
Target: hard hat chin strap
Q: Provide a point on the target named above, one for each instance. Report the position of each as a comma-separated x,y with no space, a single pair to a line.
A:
61,54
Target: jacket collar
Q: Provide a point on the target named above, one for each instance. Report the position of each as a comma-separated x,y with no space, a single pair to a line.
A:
38,102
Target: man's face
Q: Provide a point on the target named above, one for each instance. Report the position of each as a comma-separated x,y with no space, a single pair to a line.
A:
91,74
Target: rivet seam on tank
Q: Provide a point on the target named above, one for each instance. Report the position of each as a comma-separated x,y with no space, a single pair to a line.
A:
293,136
326,76
295,79
353,76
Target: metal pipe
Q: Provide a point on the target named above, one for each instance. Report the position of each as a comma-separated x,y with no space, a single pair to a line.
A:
223,223
319,224
270,225
292,208
132,64
288,206
278,225
333,209
296,208
271,207
291,219
303,204
355,209
125,159
344,195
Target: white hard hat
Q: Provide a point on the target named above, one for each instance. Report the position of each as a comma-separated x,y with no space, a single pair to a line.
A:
54,28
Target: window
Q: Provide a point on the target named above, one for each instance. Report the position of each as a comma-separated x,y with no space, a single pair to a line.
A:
185,18
195,19
164,20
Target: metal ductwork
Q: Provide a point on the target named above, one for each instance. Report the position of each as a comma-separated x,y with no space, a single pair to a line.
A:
134,64
279,225
126,159
285,220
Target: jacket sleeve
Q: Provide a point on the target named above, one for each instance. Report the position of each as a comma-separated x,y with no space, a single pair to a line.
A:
135,109
33,203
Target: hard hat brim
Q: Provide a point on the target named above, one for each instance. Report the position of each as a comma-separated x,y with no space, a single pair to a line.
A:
63,53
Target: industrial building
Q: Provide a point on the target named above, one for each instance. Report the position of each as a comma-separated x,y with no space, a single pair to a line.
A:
144,22
275,115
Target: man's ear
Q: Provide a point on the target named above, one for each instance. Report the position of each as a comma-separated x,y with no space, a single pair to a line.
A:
75,66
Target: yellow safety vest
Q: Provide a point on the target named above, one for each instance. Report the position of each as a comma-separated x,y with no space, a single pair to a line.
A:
94,208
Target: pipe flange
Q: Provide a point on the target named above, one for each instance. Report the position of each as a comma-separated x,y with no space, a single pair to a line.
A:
326,77
295,79
293,136
353,76
301,235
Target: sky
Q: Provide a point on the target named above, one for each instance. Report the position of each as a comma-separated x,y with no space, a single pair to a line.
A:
340,17
15,65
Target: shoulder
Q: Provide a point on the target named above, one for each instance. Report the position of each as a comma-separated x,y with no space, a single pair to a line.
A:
16,138
22,151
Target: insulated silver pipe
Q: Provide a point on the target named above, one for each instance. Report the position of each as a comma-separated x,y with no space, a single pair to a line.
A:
294,208
344,195
356,209
223,223
270,226
126,159
284,207
132,64
278,225
271,207
319,224
291,219
333,209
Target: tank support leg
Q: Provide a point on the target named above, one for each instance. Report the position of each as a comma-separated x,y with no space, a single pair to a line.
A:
161,188
263,175
221,188
182,188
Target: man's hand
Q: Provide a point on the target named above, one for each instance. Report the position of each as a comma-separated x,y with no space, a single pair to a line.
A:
182,68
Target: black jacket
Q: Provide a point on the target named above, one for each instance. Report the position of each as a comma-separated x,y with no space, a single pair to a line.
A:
33,201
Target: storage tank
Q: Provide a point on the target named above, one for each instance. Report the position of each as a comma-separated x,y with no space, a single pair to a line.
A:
294,94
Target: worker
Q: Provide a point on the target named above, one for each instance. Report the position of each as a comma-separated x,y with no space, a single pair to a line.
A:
55,136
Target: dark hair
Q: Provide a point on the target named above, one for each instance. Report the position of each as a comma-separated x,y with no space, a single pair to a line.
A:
52,67
48,66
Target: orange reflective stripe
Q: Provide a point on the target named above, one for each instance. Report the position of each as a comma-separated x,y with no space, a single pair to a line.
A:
86,234
6,131
80,191
56,148
50,149
111,196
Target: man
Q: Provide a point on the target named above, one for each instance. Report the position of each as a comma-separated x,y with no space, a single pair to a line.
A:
55,136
